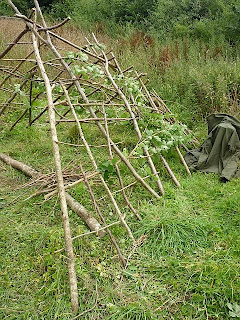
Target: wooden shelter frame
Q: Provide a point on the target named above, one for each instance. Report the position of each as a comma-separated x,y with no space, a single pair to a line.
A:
112,96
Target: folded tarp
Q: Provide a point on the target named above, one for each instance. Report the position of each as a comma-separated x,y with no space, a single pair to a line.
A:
220,152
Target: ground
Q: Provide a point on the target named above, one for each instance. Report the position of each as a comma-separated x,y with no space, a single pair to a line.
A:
186,264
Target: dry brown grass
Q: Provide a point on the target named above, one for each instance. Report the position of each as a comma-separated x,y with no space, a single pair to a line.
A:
11,27
9,30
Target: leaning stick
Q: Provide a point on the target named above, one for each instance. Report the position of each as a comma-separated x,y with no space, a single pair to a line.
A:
56,26
183,161
48,42
13,43
95,164
147,93
21,116
63,203
135,124
113,240
175,180
118,171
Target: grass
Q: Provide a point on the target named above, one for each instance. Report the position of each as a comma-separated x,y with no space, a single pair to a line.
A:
186,264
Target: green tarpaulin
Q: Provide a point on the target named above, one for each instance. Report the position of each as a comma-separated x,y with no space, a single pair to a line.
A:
220,152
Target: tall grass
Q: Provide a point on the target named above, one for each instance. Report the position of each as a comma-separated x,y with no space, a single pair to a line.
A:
194,78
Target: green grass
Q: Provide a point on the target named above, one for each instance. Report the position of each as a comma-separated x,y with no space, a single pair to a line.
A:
187,266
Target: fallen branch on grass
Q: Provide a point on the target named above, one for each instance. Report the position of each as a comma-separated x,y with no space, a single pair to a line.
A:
78,208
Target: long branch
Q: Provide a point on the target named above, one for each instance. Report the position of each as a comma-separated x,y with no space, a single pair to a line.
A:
63,203
78,208
95,165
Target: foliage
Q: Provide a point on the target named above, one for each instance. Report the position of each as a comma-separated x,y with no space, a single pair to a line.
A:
201,19
5,9
204,19
23,6
160,135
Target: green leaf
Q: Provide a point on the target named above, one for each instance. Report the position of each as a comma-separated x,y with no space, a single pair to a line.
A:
125,152
114,160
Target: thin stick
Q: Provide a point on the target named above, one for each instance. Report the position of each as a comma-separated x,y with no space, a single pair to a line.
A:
13,43
82,145
22,115
117,169
65,218
56,26
113,240
175,180
95,165
183,161
93,119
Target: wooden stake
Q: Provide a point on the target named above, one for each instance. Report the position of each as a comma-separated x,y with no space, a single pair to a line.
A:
96,167
113,240
65,218
118,171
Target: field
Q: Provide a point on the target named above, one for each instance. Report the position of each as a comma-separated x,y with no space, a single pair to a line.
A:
185,264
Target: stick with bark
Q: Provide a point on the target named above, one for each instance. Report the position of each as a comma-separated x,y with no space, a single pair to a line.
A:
95,165
78,208
57,158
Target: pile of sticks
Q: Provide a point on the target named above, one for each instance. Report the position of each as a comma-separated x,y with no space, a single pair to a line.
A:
69,95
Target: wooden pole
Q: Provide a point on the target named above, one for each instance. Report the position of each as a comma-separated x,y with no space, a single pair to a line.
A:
62,197
96,167
78,208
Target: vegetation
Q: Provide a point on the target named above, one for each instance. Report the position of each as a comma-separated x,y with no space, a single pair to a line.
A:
186,265
204,19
